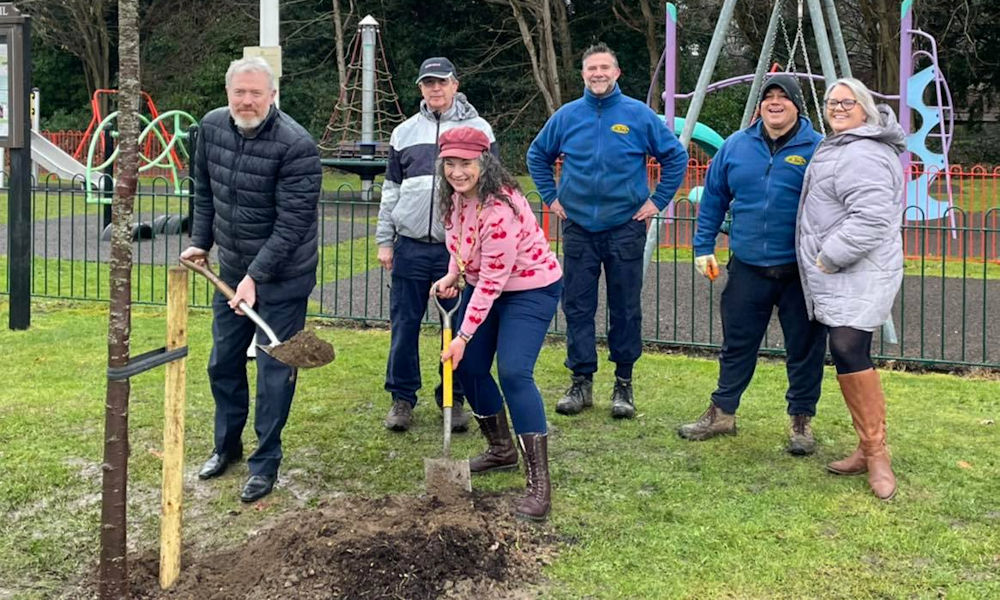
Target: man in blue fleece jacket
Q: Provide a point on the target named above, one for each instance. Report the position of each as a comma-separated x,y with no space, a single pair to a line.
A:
604,201
757,176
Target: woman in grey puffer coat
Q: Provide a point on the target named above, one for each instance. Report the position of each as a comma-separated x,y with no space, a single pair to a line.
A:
850,256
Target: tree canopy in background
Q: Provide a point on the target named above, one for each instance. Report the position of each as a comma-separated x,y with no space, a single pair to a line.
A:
518,60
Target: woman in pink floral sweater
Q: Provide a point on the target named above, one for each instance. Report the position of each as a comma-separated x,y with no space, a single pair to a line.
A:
510,282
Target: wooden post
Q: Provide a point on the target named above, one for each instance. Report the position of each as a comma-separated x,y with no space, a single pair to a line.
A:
173,429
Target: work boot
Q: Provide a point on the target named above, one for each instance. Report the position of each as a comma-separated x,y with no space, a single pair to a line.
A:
855,464
800,436
536,502
866,402
622,402
579,396
400,415
459,418
711,423
500,455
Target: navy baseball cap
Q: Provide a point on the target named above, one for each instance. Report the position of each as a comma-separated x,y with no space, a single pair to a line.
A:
439,67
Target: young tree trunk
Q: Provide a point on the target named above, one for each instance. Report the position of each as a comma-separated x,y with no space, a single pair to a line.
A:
113,581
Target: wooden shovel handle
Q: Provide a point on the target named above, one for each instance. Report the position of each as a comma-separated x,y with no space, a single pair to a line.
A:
209,275
229,293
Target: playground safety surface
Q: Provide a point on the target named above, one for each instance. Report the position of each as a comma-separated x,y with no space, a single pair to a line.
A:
392,547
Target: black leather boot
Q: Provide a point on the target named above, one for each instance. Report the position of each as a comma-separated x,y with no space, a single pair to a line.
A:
536,503
500,455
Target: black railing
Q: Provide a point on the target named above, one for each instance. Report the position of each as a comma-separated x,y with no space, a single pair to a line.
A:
946,314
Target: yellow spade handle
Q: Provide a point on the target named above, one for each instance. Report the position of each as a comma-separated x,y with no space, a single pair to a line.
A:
447,370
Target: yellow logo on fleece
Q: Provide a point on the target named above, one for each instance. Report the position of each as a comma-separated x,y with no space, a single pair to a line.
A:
795,159
619,128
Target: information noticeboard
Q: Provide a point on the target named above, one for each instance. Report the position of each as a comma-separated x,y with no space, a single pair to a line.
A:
12,103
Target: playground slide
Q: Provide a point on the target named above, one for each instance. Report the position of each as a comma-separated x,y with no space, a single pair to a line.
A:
54,160
705,138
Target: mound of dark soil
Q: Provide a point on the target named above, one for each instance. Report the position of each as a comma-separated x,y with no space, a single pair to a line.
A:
411,548
304,350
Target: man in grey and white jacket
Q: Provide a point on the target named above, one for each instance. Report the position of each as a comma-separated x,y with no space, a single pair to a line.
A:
410,233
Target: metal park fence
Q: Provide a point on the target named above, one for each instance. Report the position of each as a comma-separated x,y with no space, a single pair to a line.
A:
947,313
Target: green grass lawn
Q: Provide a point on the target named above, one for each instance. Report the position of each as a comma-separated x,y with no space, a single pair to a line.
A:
640,513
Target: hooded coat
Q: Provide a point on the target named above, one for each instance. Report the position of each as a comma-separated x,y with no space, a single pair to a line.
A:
409,207
850,215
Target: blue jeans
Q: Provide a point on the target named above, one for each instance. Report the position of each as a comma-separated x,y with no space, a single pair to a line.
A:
415,267
619,250
513,332
748,300
227,373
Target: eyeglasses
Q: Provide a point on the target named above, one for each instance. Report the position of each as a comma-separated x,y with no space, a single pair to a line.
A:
846,104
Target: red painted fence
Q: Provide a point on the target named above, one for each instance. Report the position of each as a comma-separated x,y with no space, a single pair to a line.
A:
69,141
969,229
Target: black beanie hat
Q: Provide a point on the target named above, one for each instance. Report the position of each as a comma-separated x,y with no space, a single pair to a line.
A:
788,84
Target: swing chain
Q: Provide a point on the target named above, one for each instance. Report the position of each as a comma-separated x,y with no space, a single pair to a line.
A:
792,47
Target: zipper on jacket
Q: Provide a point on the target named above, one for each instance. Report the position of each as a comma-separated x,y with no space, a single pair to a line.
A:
767,200
233,192
430,216
601,176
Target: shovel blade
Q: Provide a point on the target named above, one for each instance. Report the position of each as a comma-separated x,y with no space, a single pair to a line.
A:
447,477
304,350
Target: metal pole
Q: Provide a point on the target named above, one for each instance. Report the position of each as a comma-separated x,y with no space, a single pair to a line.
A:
369,33
269,23
670,67
707,69
762,64
36,104
905,71
822,42
838,39
369,27
19,205
270,27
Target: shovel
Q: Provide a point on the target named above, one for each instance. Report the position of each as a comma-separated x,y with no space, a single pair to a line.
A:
304,350
445,476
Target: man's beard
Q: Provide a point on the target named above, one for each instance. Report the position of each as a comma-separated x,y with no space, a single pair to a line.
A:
244,122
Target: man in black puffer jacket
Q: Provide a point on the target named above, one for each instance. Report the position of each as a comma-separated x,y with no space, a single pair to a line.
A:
257,183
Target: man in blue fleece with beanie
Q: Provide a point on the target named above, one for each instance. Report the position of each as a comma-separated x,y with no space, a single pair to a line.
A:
757,176
604,201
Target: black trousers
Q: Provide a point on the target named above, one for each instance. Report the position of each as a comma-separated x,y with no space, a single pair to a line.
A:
415,267
227,372
619,251
750,296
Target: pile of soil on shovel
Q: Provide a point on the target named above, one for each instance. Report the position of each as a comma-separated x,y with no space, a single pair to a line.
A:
304,350
412,548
